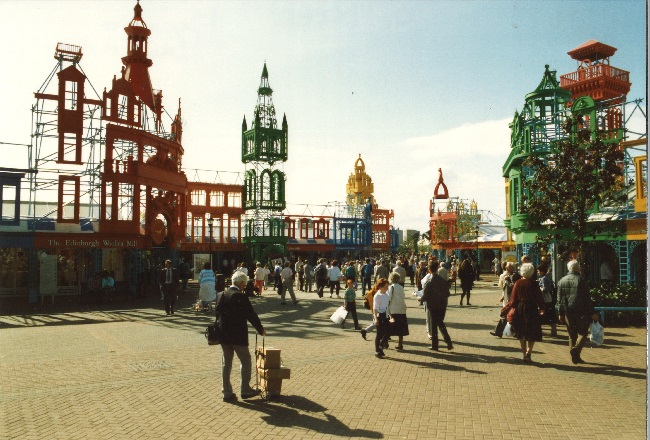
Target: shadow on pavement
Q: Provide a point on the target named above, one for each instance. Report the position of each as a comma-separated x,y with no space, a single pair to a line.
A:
283,413
594,368
434,364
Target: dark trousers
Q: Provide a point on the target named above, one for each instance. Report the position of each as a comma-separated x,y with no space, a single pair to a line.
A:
437,322
501,325
169,296
301,281
320,286
366,283
351,307
577,326
466,291
383,331
335,285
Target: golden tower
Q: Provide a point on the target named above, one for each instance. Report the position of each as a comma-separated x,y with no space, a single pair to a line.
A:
359,187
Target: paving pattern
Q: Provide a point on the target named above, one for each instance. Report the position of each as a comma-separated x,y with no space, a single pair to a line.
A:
134,373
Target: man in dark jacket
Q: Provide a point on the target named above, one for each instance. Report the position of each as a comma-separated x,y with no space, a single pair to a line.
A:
575,305
322,276
366,276
234,310
436,294
466,275
168,280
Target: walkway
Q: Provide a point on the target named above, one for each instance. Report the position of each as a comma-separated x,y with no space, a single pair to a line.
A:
138,374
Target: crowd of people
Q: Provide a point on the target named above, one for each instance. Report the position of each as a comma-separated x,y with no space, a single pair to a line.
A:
528,297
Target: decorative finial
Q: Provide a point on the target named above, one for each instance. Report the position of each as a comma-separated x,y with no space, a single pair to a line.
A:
137,11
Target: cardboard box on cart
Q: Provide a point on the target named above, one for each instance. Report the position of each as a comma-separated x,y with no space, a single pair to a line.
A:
268,357
274,373
269,370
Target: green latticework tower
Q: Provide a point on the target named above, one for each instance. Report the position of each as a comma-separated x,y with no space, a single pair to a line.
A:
264,147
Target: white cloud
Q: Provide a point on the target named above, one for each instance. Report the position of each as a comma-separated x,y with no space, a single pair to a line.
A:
406,173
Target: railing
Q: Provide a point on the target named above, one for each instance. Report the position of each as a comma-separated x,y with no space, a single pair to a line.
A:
591,72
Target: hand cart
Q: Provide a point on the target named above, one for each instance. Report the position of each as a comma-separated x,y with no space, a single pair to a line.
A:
269,371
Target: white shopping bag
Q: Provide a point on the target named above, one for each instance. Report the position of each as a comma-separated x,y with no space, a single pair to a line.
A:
507,331
597,335
339,315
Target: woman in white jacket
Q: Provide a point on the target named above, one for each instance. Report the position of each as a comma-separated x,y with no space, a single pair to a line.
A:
397,309
335,278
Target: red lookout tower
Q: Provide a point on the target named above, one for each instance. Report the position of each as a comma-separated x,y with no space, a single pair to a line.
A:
595,77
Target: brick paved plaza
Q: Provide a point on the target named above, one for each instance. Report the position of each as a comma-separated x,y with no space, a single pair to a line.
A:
134,373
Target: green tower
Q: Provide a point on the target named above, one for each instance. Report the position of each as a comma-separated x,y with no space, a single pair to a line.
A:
263,151
533,131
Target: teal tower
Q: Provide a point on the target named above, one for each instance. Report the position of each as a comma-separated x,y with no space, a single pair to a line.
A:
264,150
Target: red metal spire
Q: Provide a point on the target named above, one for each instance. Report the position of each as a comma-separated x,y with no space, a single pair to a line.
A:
136,61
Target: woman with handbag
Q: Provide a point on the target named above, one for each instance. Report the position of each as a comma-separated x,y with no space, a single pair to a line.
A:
524,309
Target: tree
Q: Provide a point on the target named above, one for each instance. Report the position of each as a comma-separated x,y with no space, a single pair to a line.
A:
579,176
440,232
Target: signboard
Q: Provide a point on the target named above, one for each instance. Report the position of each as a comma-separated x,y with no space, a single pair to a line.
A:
199,262
48,274
87,241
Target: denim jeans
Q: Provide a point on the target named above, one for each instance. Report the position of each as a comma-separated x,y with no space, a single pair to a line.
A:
244,356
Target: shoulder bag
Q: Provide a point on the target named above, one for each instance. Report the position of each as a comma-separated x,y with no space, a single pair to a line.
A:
213,332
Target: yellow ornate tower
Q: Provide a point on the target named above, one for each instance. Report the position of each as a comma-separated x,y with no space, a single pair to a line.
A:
359,187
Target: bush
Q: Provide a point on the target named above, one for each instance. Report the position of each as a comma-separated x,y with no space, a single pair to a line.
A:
620,295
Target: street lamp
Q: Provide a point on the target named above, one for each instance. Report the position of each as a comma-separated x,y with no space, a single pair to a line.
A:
478,258
210,223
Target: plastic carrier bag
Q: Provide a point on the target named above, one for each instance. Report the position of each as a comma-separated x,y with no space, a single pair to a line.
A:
339,315
507,331
597,335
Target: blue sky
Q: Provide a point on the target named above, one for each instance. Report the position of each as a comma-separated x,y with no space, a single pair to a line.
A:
411,86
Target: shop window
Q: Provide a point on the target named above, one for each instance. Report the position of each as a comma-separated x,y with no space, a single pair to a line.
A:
14,266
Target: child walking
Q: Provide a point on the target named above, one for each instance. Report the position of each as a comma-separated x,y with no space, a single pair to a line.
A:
350,304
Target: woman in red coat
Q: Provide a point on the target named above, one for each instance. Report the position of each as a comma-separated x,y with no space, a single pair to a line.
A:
527,300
